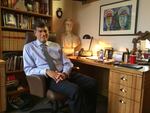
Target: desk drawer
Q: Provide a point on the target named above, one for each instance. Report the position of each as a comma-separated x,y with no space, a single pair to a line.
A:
126,92
126,79
117,104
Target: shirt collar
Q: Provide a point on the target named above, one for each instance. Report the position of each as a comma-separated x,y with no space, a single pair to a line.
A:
39,43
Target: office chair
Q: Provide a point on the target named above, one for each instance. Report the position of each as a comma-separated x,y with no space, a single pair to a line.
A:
41,90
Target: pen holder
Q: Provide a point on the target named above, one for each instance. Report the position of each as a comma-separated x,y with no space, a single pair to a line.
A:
132,59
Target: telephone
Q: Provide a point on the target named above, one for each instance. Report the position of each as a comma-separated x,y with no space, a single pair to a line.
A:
85,53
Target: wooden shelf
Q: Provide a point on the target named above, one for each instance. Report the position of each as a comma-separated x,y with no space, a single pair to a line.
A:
17,71
15,29
25,12
16,92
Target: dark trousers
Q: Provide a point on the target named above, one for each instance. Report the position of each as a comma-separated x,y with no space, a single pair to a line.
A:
81,91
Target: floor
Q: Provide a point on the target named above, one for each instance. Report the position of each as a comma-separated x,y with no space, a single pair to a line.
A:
101,107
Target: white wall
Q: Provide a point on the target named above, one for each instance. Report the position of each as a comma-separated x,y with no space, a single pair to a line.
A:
144,15
88,18
66,6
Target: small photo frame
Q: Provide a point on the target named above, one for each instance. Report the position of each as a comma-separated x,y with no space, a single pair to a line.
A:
9,20
108,54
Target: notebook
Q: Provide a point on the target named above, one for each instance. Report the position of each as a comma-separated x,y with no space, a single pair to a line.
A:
133,66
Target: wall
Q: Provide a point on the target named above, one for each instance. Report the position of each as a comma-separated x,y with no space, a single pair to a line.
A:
58,22
87,18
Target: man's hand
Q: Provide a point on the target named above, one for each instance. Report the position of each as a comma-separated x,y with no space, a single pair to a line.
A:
61,76
51,74
57,76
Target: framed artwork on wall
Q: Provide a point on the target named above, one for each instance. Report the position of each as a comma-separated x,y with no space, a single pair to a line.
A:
119,18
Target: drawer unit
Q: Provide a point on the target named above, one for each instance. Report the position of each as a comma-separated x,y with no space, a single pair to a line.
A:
126,92
126,79
122,105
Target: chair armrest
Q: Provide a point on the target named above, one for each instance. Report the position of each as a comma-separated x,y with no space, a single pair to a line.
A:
37,85
76,68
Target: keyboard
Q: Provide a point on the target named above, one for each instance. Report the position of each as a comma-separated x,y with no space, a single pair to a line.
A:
133,66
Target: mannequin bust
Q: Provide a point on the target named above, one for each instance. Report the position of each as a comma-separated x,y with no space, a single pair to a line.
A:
69,41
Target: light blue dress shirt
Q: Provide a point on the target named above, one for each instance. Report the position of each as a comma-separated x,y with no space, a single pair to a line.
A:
35,62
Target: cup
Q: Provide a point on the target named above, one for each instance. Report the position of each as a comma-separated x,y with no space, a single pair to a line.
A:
132,59
125,57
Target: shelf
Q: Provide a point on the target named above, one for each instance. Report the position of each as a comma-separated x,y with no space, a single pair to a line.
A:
15,29
9,93
17,71
25,12
12,83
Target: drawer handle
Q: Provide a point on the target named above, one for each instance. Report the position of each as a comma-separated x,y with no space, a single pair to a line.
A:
123,78
122,102
123,90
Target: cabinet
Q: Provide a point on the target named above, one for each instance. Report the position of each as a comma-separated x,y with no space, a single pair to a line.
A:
2,87
128,92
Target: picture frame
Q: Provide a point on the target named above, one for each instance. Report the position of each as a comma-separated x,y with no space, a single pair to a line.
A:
24,22
119,18
108,53
9,20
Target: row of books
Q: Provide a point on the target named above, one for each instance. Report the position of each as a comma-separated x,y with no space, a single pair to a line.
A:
8,3
20,20
12,40
27,5
14,61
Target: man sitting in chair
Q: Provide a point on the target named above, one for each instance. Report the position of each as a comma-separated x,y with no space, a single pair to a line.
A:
45,58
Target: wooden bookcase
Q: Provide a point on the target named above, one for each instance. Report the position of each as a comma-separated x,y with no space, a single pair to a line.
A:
2,87
16,18
15,21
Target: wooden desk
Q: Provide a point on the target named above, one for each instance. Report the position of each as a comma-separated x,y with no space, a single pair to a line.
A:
128,89
2,87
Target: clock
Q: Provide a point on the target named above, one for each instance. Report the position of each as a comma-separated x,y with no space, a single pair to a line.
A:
59,12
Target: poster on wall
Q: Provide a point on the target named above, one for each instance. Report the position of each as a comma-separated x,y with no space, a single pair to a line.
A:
119,18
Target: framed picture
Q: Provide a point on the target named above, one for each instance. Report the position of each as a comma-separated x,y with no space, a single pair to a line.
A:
108,53
24,22
9,20
119,18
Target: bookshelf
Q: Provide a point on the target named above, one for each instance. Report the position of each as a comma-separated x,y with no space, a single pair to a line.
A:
17,17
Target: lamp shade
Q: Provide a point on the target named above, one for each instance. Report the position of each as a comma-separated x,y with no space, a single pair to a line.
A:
87,36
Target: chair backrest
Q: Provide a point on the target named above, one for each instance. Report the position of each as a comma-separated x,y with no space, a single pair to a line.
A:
29,37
